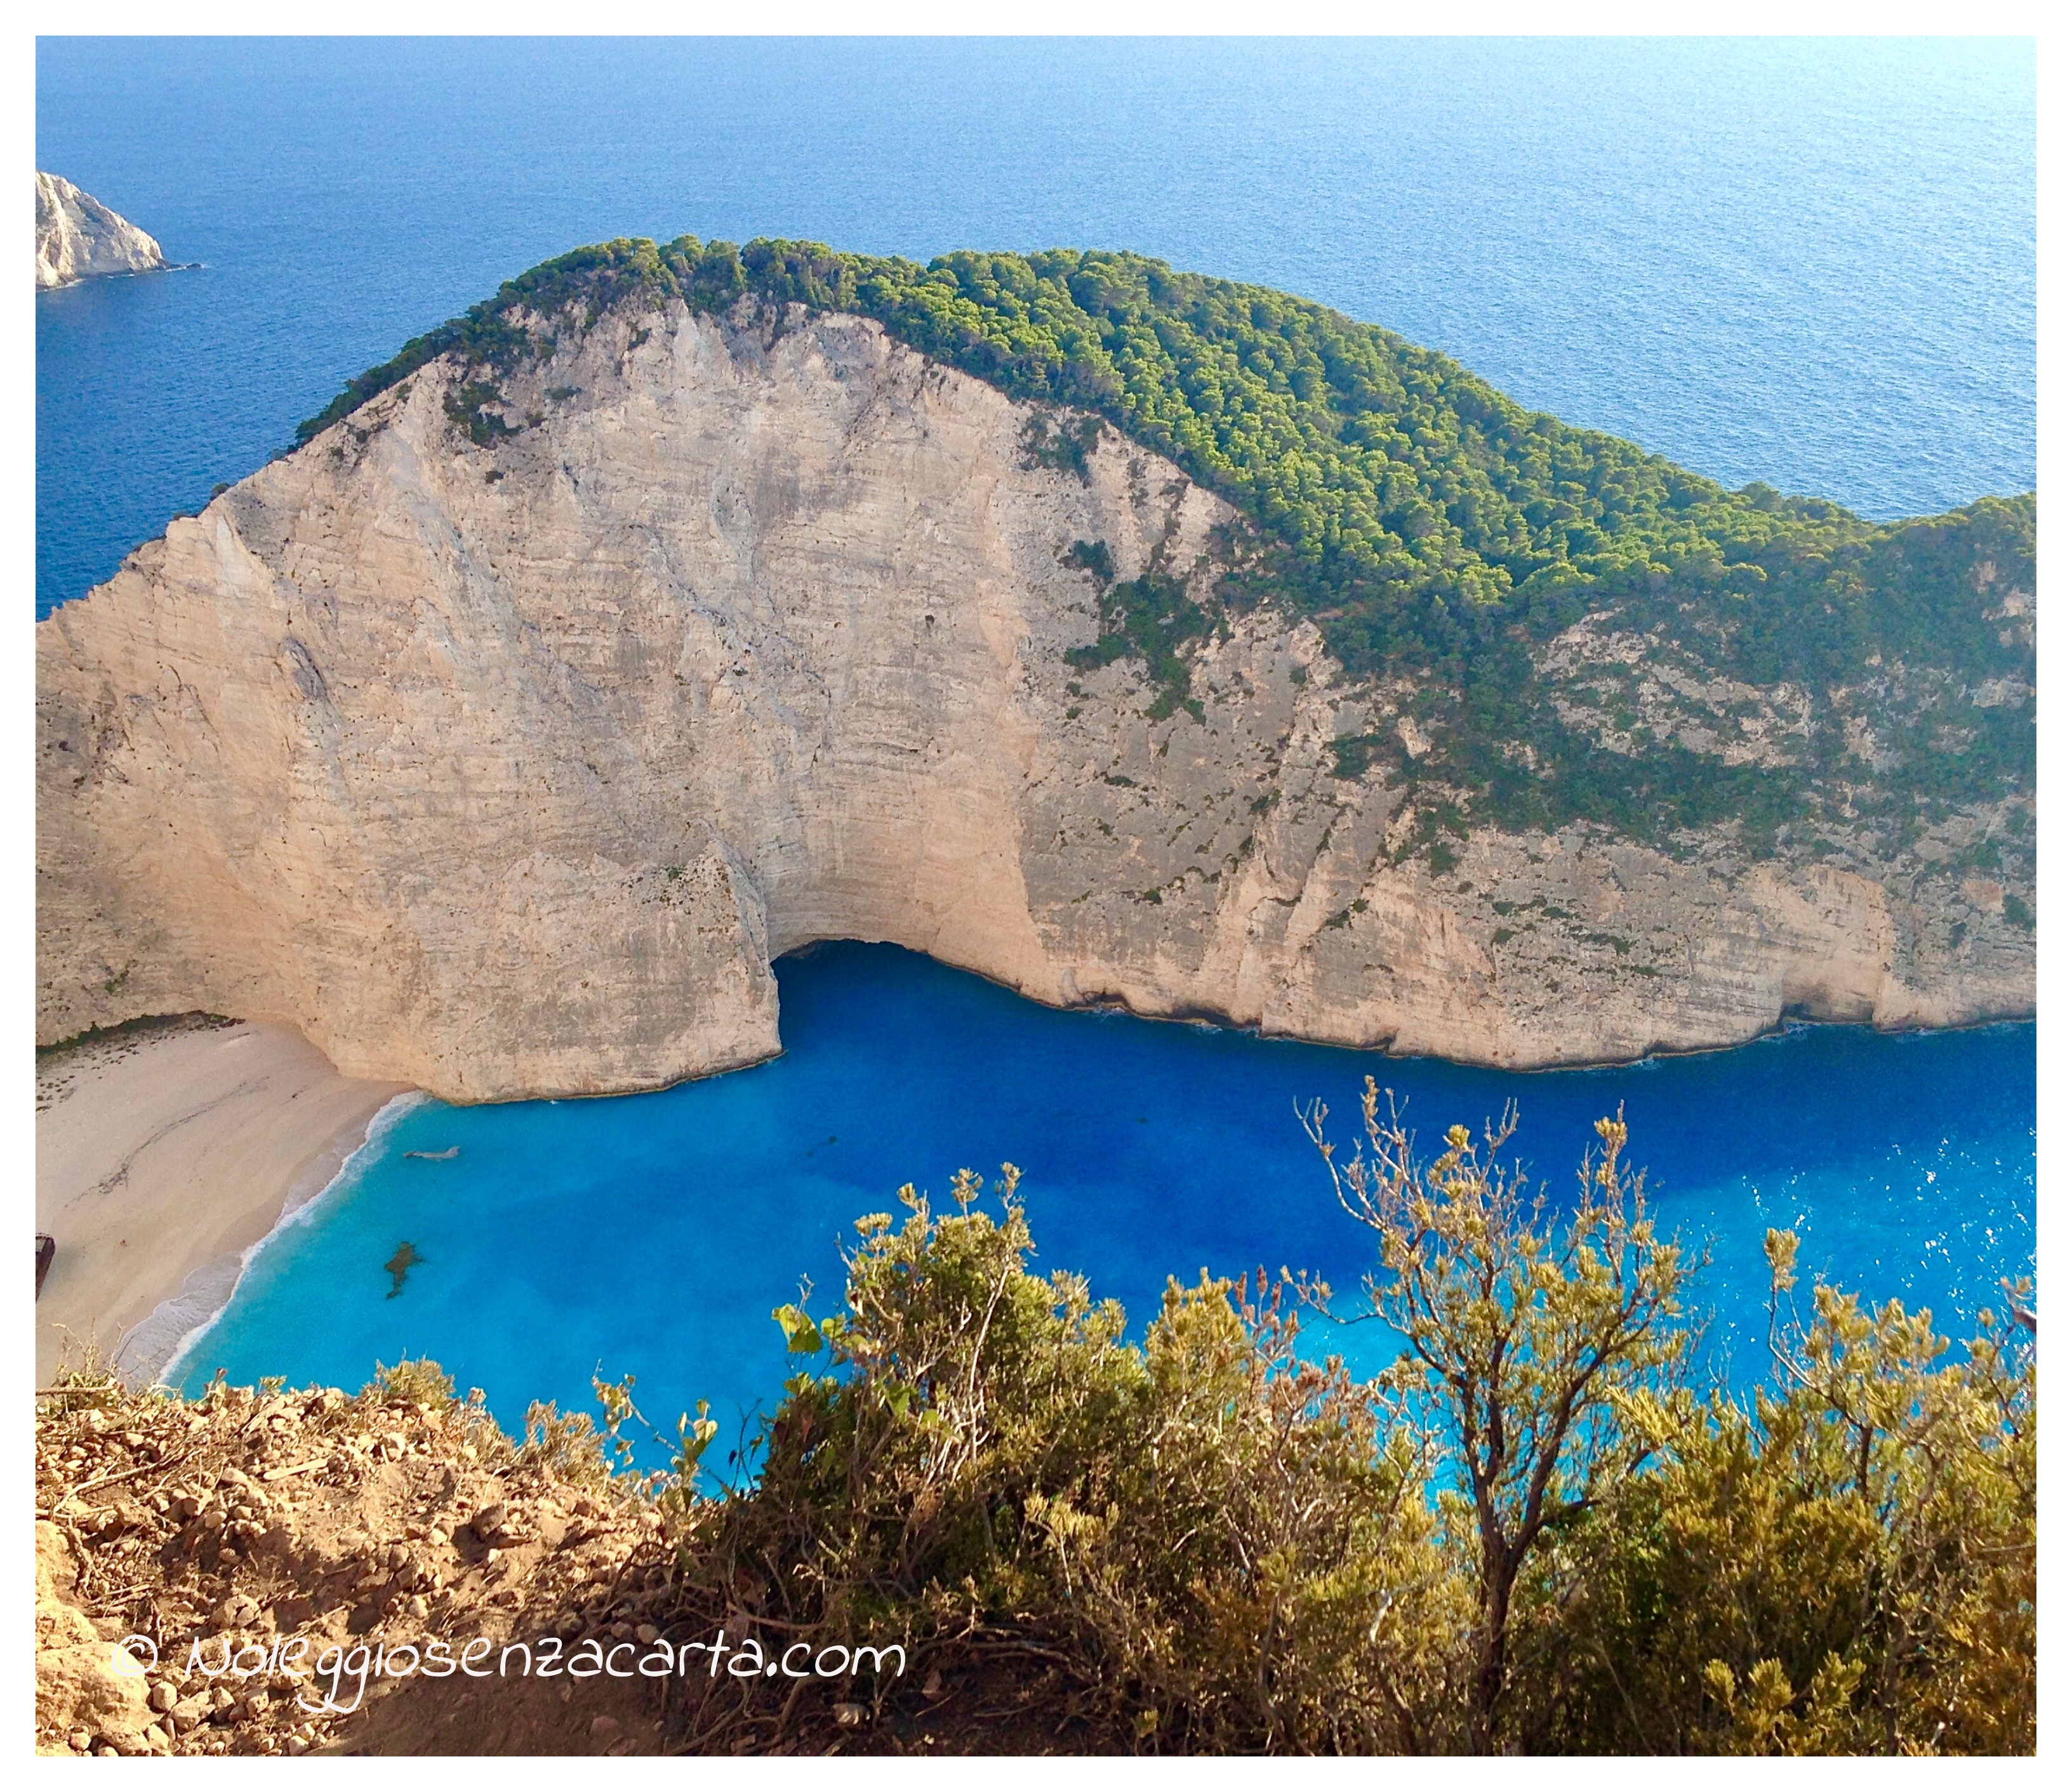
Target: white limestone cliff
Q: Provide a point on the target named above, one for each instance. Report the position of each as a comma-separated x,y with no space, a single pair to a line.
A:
505,770
78,237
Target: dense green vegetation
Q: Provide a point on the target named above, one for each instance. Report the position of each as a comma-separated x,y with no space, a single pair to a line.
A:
1535,1533
1437,531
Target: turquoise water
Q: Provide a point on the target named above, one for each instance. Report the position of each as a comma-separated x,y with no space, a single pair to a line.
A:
1811,262
653,1233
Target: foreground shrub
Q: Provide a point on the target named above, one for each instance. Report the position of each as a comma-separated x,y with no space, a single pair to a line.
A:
1220,1544
1846,1565
1531,1534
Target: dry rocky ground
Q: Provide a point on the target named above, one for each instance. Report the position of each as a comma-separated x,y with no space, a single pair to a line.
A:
215,1533
231,1524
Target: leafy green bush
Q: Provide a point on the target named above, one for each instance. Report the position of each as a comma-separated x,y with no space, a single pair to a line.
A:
1212,1533
415,1381
1150,618
1532,1533
1845,1565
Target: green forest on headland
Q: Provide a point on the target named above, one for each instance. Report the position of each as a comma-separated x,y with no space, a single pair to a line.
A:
1438,534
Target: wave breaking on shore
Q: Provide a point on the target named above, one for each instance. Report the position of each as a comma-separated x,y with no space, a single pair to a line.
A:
156,1349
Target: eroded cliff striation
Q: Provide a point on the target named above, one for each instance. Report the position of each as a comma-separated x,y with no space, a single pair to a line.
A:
499,745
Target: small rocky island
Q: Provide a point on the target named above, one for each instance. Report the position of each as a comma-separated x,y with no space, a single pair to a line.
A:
78,237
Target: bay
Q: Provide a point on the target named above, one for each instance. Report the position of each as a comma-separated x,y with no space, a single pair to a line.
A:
653,1234
1809,261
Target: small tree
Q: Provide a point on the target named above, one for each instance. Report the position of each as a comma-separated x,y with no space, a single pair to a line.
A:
1532,1338
1215,1542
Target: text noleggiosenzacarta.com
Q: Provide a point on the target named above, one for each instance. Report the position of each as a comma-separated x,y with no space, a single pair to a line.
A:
338,1666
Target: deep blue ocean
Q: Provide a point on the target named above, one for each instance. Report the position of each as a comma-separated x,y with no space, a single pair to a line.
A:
1809,262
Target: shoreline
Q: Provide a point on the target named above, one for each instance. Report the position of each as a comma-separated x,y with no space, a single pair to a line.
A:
1116,1008
1782,1027
206,1138
205,1297
165,1156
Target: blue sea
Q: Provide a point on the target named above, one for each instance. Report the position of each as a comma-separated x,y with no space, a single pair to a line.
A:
1811,262
1808,262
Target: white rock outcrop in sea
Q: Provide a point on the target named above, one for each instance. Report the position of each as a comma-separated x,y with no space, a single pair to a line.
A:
78,237
505,768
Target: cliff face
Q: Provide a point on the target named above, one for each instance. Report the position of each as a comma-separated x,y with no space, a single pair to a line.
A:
504,767
77,236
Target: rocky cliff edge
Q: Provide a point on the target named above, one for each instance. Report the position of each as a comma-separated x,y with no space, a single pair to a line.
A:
499,745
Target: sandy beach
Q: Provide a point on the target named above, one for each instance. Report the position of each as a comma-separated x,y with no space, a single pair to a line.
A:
161,1156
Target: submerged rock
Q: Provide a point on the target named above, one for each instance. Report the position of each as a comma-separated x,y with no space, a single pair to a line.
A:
399,1266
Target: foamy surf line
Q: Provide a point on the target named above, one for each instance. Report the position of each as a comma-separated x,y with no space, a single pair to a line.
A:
157,1348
